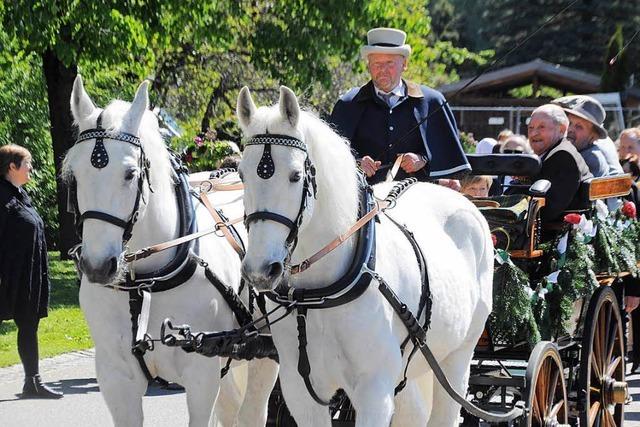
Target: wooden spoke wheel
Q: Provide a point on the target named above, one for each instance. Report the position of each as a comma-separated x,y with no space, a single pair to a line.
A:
545,392
602,386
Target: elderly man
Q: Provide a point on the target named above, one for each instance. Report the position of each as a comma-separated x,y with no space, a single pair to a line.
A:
562,165
587,133
381,118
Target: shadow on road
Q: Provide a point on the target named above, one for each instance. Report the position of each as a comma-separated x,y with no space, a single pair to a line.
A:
76,386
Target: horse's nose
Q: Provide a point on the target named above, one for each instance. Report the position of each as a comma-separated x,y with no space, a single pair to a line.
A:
101,273
265,276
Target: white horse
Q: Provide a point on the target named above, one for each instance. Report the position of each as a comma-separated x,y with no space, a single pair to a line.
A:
356,346
113,189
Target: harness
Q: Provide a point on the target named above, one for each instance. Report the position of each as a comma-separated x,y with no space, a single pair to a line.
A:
349,287
358,277
183,265
100,159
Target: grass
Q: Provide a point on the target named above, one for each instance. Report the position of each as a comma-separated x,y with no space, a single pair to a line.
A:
64,330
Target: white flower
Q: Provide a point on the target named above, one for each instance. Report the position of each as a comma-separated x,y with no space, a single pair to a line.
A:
562,244
553,277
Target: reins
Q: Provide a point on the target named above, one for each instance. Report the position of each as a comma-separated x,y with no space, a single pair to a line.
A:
222,225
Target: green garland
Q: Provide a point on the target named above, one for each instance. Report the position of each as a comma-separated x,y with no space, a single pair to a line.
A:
512,319
616,244
575,280
523,310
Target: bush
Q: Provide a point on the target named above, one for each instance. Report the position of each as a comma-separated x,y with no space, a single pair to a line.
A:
202,152
24,120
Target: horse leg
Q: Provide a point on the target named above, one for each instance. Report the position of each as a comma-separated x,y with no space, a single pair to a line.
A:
411,404
456,368
201,380
373,401
262,376
122,385
304,410
232,387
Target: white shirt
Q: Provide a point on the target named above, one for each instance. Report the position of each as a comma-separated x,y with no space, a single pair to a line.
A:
398,94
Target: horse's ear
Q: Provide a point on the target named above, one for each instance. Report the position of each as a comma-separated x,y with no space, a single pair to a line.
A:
246,108
131,121
81,105
289,108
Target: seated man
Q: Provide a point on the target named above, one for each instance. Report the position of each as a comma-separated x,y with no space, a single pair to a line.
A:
587,133
562,165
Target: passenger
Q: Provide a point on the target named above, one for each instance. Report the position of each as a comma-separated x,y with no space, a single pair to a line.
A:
380,118
476,186
516,144
485,146
504,135
586,127
562,165
629,143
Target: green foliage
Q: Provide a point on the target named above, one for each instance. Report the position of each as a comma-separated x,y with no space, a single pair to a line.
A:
512,319
615,76
577,38
468,142
543,92
24,121
575,280
64,330
202,153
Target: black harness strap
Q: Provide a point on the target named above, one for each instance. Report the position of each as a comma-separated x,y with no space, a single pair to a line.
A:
304,367
138,348
425,297
240,311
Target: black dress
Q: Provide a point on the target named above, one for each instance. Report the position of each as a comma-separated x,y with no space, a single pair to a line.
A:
24,279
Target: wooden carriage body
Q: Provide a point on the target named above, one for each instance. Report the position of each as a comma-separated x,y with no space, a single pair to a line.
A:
576,378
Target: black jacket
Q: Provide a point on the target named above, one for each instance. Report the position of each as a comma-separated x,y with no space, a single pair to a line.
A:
565,168
24,279
375,130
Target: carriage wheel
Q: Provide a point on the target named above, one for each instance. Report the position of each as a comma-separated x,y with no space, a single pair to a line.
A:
546,392
602,386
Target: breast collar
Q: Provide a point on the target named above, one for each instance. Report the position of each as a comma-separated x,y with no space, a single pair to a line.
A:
184,263
353,283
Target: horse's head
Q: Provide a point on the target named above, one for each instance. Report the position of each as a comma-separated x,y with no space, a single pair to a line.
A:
279,183
108,167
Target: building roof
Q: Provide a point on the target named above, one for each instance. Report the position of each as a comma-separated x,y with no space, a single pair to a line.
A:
537,71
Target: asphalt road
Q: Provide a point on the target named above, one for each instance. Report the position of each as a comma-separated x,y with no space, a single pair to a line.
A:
83,405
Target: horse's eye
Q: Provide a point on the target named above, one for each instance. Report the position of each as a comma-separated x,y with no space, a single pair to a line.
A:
131,173
295,176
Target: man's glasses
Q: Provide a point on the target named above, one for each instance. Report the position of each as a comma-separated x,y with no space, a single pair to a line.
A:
512,152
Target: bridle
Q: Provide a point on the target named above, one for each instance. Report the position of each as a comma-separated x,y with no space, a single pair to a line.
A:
100,159
266,169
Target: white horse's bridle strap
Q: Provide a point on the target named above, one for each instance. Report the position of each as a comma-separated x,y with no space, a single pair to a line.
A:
379,207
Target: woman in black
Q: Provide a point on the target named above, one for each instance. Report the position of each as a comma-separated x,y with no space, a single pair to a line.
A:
24,279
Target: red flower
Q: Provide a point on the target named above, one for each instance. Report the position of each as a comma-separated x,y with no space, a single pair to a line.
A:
494,239
629,209
572,218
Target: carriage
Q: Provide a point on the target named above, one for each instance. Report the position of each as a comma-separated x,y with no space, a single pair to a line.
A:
561,360
575,374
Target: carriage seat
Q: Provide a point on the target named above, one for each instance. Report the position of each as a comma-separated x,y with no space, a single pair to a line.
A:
504,164
605,187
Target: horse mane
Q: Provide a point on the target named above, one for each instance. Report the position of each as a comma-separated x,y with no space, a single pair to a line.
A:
150,138
335,169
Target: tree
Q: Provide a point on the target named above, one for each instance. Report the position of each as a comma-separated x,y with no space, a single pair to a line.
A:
583,29
616,64
63,33
199,54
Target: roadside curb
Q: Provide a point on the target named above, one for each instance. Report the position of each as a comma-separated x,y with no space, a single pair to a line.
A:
15,372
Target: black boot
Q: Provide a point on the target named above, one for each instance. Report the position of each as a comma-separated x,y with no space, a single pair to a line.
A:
33,387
